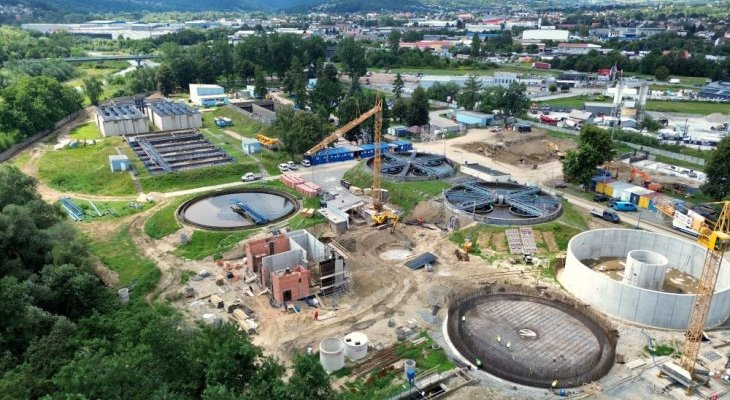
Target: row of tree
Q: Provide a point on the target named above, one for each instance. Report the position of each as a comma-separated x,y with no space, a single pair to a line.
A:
64,335
33,104
511,100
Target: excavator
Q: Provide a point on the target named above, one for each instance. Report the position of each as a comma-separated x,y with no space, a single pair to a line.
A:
646,180
556,150
386,216
715,237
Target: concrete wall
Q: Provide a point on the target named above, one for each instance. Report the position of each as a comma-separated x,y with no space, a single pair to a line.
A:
175,122
642,306
279,262
314,249
122,127
257,249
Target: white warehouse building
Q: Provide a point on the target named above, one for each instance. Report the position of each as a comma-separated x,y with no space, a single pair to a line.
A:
556,35
120,119
169,115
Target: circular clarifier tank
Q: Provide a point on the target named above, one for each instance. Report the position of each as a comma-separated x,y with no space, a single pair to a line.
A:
530,338
237,209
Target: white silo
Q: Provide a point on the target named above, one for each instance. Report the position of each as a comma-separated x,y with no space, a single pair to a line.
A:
356,346
332,354
645,269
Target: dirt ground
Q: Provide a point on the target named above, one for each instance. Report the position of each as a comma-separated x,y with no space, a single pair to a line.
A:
518,148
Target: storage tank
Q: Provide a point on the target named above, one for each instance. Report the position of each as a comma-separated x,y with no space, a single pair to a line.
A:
332,354
356,346
409,366
123,295
645,269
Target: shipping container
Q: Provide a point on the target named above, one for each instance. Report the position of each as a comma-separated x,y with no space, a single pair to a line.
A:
614,189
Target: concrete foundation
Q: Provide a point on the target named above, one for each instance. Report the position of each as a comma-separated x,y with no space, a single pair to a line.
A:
635,303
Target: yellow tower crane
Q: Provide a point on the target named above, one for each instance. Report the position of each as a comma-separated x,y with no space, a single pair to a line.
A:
715,237
376,111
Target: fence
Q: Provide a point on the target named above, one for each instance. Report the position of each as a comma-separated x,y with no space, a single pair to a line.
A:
651,150
18,147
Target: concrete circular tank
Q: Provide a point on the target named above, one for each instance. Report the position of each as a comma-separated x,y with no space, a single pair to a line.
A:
356,346
332,354
237,209
530,337
502,203
642,277
413,166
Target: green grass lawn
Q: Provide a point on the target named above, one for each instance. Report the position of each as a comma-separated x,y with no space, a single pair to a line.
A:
88,130
572,102
110,209
121,255
563,229
405,195
242,125
688,107
163,222
194,178
85,169
207,243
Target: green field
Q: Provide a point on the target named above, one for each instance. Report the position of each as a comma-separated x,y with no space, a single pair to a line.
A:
85,169
163,222
405,195
241,124
572,102
121,255
88,130
195,178
110,209
206,243
688,107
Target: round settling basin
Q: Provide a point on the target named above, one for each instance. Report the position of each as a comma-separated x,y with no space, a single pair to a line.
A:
530,340
223,210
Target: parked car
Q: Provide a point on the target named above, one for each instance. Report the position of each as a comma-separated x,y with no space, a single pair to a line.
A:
291,165
608,215
250,177
283,167
600,198
624,206
345,183
306,163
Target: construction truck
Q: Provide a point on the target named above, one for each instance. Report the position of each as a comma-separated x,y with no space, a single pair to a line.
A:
556,150
646,180
606,215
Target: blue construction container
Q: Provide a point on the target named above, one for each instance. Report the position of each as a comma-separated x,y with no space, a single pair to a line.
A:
403,145
368,150
333,154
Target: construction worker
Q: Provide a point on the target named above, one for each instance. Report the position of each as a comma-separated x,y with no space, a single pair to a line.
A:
463,318
499,339
316,315
479,363
509,344
554,385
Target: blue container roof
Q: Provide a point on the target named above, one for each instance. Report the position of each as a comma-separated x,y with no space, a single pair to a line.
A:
371,146
334,150
401,142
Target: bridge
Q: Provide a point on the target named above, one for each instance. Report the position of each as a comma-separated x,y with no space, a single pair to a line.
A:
125,57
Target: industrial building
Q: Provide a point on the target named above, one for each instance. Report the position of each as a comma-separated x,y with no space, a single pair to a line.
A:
716,91
598,108
120,119
169,115
207,95
250,146
556,35
473,118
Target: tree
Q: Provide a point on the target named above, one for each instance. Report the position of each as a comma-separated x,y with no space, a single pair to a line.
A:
327,93
418,108
491,99
649,123
515,102
553,88
260,88
595,147
309,380
394,40
661,73
400,109
718,171
470,94
165,80
443,91
352,55
304,131
398,85
475,48
93,88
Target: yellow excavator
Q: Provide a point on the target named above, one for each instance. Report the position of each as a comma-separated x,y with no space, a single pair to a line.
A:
386,216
